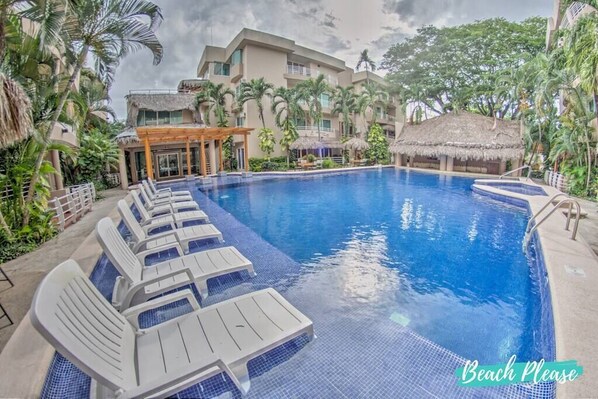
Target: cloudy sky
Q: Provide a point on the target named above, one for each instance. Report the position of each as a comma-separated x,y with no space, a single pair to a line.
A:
341,28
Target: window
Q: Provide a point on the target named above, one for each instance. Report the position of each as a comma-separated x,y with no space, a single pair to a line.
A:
176,117
238,91
221,69
326,124
325,100
236,57
148,118
240,121
300,122
163,117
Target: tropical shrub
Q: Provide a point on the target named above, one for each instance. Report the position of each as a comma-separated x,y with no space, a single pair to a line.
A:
310,158
329,164
267,141
378,151
263,164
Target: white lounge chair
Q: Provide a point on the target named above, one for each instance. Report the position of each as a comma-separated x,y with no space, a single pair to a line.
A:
168,207
184,235
138,283
166,191
179,218
126,361
162,199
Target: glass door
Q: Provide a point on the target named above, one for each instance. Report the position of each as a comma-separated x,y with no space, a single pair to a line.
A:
168,165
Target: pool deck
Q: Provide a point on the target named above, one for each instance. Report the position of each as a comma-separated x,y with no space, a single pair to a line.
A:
572,268
571,265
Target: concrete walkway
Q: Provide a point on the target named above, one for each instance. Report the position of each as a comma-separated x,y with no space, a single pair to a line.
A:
588,225
27,271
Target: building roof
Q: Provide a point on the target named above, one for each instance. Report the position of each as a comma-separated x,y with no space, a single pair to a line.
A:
157,102
462,135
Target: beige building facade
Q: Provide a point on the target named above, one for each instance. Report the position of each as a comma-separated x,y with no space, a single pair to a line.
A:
250,55
283,63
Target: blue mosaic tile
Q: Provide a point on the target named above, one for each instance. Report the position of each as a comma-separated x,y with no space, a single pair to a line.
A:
386,360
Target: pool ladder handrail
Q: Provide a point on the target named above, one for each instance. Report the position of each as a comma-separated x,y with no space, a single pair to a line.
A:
571,201
529,171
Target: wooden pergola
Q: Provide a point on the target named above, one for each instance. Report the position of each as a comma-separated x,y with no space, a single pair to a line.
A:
186,134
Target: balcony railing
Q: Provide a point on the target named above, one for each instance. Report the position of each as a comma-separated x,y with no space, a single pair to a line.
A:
70,207
325,132
297,70
158,91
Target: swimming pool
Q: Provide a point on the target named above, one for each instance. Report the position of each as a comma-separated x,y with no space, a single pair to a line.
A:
417,248
404,275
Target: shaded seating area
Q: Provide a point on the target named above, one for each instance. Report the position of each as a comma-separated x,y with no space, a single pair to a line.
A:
461,142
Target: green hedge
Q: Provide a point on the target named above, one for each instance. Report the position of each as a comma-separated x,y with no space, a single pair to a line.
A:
263,165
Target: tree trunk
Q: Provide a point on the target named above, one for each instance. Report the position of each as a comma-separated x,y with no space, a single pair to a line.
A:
40,157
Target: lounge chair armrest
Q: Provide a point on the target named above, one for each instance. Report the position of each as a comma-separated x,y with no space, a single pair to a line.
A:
144,254
163,190
132,313
162,386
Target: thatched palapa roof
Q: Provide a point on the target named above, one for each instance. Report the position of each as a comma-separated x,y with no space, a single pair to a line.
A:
357,144
158,102
462,135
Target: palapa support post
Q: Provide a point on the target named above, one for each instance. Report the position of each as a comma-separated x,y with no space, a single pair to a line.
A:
246,157
148,159
188,157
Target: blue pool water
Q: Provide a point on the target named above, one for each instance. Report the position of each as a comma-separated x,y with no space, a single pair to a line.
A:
420,249
404,275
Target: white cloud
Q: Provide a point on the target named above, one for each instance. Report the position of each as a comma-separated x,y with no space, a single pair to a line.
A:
341,28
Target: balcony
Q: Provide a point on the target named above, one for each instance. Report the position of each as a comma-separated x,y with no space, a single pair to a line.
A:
236,72
312,131
304,73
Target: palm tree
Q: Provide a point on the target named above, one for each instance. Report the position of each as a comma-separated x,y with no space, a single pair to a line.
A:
92,100
367,62
345,103
285,105
108,30
256,90
312,91
215,96
372,96
581,54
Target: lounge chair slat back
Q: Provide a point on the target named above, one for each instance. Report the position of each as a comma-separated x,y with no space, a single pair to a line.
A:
82,325
146,197
145,216
116,249
130,221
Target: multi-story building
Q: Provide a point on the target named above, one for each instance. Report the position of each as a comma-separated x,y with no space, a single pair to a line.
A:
282,62
250,55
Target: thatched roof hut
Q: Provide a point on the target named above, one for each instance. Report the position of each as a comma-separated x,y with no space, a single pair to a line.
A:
159,102
357,144
462,135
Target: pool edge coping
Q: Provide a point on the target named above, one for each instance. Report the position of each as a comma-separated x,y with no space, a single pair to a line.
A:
557,251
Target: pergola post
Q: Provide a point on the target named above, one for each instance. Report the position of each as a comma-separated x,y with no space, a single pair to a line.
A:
221,163
245,153
203,156
188,158
148,159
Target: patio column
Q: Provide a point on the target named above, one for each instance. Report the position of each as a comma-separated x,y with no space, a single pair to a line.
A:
221,163
246,153
443,162
122,169
133,161
55,157
449,164
212,155
188,157
203,156
148,159
516,163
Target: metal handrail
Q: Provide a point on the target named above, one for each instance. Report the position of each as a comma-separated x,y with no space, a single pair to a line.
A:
550,201
529,172
571,202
